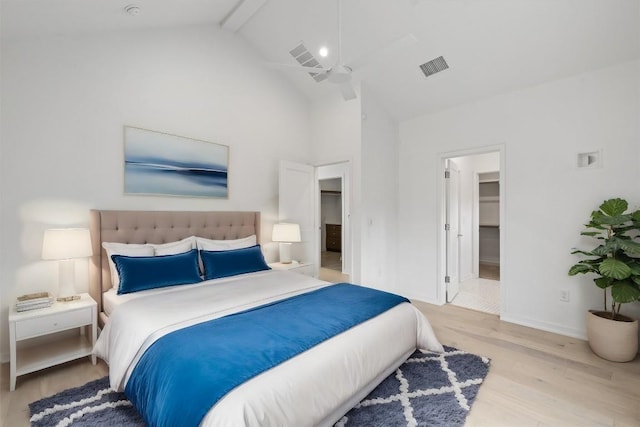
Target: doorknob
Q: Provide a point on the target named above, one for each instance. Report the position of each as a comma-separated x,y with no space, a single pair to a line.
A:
459,235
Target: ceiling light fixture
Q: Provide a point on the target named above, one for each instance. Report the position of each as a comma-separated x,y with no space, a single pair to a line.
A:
132,10
323,52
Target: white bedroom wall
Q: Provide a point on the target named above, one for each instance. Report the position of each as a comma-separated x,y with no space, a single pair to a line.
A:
547,199
336,136
363,133
379,194
65,101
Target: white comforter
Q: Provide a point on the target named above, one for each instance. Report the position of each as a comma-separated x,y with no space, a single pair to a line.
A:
314,388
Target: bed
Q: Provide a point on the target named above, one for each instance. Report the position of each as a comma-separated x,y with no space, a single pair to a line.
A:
316,386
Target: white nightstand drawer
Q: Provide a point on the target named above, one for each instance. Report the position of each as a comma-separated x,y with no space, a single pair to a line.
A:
55,322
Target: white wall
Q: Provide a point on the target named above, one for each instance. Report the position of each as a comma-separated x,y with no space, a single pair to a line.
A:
363,133
379,195
65,100
547,199
336,136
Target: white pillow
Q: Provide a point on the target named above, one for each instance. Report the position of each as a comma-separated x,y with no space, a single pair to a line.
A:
173,248
225,245
131,249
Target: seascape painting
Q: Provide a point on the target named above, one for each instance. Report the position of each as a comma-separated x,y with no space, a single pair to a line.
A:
161,164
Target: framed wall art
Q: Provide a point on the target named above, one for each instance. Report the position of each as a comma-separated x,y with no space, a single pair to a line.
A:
157,163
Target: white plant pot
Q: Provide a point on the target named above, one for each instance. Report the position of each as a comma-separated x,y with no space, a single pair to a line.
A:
614,340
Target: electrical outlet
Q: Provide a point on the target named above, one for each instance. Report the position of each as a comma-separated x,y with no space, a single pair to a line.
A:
564,295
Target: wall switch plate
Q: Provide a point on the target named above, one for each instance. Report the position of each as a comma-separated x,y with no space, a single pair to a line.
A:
564,295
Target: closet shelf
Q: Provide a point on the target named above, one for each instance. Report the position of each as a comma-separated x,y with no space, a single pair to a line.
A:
489,199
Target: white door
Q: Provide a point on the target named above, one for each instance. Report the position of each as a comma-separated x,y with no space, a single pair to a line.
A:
297,204
452,229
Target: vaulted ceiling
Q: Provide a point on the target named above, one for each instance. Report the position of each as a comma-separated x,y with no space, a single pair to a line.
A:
491,46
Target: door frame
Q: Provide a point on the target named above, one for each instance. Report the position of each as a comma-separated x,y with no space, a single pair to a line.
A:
441,261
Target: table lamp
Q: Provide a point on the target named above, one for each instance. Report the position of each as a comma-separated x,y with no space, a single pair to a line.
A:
285,234
66,245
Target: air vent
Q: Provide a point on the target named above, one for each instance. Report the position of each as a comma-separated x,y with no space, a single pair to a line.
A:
434,66
306,59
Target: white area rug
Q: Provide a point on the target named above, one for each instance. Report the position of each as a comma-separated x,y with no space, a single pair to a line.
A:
479,294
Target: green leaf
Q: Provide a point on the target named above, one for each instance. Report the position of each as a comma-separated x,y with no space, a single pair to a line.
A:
614,268
603,282
636,215
581,252
618,220
605,249
629,246
613,207
625,291
581,269
590,233
635,268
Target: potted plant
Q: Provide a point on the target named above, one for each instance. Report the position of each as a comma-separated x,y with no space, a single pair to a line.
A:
616,265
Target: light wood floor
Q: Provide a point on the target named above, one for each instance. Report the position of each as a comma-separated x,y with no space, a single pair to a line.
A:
536,378
488,271
332,260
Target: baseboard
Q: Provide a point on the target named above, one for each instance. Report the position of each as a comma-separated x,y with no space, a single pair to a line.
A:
489,262
544,326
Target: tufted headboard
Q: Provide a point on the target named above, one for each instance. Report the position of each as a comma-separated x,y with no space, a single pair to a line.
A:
158,227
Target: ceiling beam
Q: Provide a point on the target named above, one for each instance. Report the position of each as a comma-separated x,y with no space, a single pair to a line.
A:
240,14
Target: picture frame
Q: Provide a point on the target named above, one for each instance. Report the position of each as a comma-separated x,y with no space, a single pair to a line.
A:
158,163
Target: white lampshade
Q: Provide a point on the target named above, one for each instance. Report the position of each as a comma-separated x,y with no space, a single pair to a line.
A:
286,232
66,243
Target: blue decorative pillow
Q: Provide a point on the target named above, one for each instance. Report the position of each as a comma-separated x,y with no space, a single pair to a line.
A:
150,272
219,264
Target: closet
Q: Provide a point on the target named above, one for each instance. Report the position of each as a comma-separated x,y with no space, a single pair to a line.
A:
331,214
489,218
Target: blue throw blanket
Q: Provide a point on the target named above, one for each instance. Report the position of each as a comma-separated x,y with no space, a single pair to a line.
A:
183,374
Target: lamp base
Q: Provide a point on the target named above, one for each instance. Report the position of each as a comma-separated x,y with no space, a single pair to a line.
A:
285,253
66,278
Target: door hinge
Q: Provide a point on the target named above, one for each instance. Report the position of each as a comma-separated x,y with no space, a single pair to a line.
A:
447,279
447,174
447,227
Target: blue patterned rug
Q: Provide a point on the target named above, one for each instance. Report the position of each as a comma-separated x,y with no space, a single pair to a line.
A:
429,389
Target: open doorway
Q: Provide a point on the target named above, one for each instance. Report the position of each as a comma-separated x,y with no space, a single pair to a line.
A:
331,225
333,222
472,205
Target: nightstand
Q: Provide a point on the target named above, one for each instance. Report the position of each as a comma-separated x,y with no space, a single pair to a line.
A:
28,354
296,267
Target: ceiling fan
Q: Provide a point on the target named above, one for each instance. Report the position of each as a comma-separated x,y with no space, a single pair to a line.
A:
340,73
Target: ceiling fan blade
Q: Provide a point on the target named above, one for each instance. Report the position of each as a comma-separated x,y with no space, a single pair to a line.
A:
347,90
291,67
392,46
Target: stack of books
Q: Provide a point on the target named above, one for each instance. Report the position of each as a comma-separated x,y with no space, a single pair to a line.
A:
34,301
